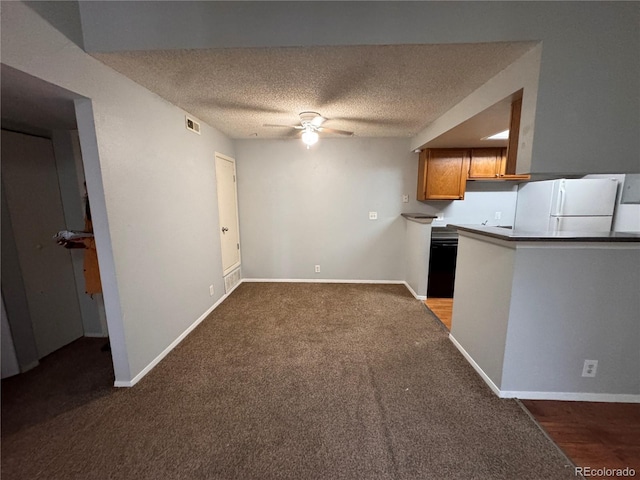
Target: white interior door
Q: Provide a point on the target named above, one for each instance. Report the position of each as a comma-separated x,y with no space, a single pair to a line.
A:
30,182
228,211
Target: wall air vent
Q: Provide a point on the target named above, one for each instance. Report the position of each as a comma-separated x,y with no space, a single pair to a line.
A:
192,125
231,281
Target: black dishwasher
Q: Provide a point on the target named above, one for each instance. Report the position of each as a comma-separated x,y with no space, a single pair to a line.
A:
442,262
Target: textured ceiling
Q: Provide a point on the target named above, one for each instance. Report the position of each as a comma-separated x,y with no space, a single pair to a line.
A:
374,91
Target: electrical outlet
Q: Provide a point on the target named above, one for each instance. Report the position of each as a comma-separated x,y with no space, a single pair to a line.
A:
405,198
373,215
211,290
317,268
498,215
440,216
590,367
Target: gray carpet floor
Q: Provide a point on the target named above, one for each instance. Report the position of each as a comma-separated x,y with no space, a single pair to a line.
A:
281,381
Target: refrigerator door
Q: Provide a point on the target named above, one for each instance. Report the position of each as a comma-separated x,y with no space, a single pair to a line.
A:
533,205
580,224
590,197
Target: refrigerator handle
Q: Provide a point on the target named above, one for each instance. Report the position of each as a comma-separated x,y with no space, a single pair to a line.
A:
561,198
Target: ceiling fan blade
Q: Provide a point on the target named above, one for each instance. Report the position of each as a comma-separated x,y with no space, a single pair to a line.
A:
317,121
333,130
281,126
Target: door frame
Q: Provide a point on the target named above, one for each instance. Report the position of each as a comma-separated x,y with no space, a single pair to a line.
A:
235,189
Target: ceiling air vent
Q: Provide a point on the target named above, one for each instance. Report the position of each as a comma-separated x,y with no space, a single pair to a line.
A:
192,125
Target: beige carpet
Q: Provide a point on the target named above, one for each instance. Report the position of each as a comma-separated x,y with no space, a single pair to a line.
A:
282,381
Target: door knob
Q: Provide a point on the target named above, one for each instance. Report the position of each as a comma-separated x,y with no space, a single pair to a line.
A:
225,229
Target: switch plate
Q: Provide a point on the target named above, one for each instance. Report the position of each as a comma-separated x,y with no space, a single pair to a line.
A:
373,215
405,198
498,215
440,216
589,368
317,268
211,290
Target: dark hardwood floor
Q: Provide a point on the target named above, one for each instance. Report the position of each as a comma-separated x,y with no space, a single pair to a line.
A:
592,434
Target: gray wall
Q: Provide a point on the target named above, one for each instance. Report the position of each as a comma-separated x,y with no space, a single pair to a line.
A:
152,184
300,208
626,217
569,305
587,107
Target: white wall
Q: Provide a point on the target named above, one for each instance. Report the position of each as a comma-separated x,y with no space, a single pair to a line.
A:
152,184
300,208
417,254
482,201
626,217
527,315
481,302
570,304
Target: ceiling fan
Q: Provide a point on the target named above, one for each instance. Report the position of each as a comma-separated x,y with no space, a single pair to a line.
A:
311,125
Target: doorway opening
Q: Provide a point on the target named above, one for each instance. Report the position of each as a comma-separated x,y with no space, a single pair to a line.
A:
45,302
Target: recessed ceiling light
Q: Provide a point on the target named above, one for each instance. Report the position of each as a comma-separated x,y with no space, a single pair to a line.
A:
498,136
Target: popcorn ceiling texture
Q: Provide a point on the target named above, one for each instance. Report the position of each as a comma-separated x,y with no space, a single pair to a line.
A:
374,91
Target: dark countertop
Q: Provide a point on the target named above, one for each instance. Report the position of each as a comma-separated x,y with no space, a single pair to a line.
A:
419,217
511,235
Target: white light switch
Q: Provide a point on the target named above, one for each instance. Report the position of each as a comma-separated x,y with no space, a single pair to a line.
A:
498,215
440,216
373,215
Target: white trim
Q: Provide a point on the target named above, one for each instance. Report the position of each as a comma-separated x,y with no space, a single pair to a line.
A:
573,396
322,280
221,156
422,298
172,345
476,367
568,396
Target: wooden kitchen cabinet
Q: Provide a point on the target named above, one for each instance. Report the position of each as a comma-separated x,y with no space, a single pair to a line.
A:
442,174
492,164
486,163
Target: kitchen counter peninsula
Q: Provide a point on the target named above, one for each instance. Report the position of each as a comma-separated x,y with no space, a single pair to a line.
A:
530,307
511,235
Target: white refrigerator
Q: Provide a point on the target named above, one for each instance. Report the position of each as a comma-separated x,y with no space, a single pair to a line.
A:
572,205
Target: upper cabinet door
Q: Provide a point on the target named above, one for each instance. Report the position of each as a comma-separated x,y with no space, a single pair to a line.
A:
485,163
442,174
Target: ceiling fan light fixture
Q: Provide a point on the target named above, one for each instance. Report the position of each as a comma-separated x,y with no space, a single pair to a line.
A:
309,137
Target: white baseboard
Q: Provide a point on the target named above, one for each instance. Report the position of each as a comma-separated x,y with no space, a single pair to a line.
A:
327,280
475,366
573,396
321,280
525,395
165,352
418,297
